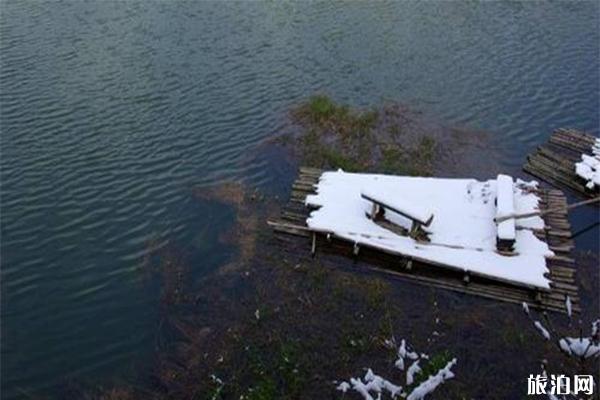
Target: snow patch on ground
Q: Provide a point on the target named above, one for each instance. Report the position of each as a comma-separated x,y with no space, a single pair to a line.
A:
580,347
543,331
432,382
373,386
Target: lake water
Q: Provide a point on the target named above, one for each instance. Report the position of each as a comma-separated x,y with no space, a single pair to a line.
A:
112,112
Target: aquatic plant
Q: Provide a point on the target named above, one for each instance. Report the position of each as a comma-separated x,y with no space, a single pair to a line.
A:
338,136
340,118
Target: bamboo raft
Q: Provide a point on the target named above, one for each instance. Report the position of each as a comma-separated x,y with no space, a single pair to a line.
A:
555,161
291,230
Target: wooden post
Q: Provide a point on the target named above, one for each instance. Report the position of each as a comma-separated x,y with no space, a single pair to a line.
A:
313,248
548,211
538,296
414,229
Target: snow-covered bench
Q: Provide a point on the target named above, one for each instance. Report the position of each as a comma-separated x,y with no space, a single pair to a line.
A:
505,206
418,215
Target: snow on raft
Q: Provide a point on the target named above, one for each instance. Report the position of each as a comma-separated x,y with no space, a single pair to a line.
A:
462,233
589,170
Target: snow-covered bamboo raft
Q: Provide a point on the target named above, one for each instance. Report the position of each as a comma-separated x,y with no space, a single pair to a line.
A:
570,158
440,232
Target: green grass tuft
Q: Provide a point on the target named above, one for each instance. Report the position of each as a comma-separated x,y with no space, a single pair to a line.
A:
434,364
337,136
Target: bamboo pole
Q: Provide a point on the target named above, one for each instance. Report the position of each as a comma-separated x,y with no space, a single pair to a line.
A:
548,211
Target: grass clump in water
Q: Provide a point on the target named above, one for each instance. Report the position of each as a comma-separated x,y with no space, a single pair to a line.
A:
338,136
321,111
416,161
321,108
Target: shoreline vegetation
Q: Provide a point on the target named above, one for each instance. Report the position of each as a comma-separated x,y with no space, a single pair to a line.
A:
275,324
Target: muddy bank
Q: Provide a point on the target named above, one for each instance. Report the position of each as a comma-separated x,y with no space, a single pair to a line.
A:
274,323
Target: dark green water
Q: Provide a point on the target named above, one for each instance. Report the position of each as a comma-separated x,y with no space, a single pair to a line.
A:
111,112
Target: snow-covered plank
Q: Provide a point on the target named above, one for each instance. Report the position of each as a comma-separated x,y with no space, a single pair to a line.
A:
398,204
462,234
505,206
525,201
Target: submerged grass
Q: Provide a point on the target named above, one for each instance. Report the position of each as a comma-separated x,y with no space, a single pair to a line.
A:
338,136
276,372
322,111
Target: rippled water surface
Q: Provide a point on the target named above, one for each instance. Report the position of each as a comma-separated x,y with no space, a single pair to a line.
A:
111,112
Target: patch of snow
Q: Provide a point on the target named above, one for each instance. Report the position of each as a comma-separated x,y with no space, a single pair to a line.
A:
372,383
390,199
404,353
543,331
411,371
527,202
595,327
589,169
216,379
343,387
569,306
361,388
462,232
399,363
432,382
581,347
526,308
378,383
564,346
372,386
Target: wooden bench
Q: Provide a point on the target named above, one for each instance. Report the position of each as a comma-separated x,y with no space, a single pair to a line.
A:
418,216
